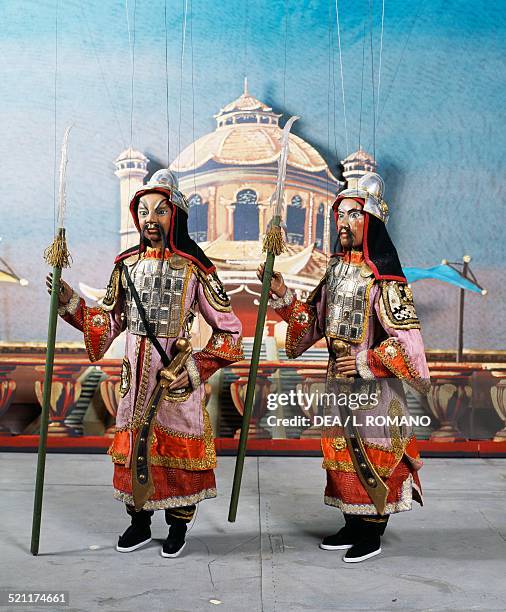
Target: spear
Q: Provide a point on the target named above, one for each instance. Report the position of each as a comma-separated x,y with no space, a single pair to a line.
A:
273,245
57,256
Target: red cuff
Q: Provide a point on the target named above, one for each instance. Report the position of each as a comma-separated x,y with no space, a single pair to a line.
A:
300,321
96,328
208,364
376,365
285,311
76,319
226,346
392,355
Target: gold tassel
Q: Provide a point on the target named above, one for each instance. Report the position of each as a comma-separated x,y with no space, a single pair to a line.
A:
273,241
57,255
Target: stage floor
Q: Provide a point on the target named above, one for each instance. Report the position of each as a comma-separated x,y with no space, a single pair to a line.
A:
448,555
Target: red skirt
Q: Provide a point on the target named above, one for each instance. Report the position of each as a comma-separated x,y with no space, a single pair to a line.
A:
174,487
345,491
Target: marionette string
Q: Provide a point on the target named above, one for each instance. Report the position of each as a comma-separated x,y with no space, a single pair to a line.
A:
131,44
338,26
245,38
380,59
371,9
181,67
167,112
401,60
285,54
55,111
325,245
105,81
361,92
193,112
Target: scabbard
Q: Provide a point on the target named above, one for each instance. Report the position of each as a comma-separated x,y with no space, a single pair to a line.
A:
367,473
142,482
365,469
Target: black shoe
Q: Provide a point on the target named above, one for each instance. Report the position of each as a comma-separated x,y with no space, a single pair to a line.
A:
175,542
139,532
133,538
342,540
369,543
365,549
345,538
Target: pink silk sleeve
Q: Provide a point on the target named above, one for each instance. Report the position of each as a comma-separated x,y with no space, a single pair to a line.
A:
225,345
402,354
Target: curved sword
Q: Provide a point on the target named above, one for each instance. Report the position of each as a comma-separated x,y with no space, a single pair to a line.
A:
277,196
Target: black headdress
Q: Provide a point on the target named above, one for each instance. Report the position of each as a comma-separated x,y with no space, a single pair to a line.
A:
379,251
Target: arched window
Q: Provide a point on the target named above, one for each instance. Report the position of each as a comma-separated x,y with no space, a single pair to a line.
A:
295,221
246,226
320,224
197,218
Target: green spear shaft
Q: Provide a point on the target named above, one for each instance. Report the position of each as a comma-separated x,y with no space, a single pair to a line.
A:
273,245
46,399
57,256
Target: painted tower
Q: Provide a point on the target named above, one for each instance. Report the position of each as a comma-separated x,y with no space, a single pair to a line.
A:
131,168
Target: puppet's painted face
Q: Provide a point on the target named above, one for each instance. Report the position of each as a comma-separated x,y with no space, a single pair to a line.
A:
350,223
154,215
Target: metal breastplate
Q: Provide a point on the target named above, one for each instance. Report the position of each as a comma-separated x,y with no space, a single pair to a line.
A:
348,288
162,294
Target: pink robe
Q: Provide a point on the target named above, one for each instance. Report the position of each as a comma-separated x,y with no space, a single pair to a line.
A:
387,351
182,451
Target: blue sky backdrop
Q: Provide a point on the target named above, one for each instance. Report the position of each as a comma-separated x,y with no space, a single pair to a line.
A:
439,139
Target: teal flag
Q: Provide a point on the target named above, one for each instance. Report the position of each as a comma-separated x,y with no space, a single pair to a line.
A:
443,273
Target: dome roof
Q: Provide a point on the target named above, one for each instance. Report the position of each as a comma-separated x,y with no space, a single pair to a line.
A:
359,155
248,134
245,102
248,145
129,154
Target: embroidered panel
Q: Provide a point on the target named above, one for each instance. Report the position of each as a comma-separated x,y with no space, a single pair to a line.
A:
162,291
347,302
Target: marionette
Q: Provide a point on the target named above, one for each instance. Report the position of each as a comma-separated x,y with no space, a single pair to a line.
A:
364,309
163,448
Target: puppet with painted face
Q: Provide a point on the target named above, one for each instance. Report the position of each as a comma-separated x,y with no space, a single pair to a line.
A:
155,290
364,309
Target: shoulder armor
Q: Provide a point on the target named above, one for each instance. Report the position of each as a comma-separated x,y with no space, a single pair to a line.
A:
365,270
113,288
397,307
178,262
214,291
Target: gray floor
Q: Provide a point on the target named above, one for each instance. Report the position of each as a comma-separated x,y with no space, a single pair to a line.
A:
448,555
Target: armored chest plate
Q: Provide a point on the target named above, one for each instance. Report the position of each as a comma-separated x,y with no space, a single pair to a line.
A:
348,287
162,293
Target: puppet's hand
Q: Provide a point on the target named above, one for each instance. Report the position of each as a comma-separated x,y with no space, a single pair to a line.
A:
181,382
346,366
65,290
278,286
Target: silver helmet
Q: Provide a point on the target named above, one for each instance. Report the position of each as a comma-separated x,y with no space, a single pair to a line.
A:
370,188
166,179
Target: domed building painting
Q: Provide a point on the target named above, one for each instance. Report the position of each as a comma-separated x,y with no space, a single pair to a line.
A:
229,177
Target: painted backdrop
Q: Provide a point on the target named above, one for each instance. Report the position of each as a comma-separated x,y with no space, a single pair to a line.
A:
439,138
